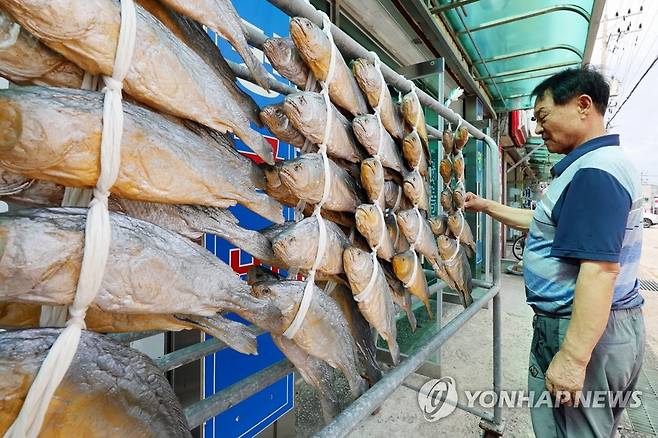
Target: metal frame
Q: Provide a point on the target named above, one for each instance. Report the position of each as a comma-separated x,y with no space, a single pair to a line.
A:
597,11
373,398
448,6
532,52
526,70
571,8
477,50
450,49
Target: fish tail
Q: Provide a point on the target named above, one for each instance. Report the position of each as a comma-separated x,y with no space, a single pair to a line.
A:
255,141
330,408
256,69
412,319
394,349
237,336
266,207
466,298
428,306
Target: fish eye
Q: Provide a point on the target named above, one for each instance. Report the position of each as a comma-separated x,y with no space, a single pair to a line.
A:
298,168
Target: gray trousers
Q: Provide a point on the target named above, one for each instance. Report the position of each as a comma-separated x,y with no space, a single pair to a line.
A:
615,366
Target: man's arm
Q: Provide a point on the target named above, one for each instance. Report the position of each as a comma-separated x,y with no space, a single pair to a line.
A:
591,309
517,218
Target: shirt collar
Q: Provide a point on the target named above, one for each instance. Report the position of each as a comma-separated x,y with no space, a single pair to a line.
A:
588,146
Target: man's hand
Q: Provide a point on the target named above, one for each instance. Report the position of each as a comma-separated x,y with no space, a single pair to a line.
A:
473,202
565,377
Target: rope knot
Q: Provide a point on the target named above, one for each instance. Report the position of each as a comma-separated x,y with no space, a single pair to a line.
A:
112,84
77,317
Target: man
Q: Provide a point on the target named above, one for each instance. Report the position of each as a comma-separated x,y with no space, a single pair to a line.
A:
580,262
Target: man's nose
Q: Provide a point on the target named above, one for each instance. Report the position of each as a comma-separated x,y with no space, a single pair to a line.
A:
539,129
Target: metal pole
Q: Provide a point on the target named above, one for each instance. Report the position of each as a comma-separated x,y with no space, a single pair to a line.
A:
525,158
497,358
477,412
234,394
373,398
351,48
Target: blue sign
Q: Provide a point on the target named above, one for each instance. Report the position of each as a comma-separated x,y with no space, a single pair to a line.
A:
226,367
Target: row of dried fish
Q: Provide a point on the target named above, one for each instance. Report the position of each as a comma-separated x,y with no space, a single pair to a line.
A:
81,36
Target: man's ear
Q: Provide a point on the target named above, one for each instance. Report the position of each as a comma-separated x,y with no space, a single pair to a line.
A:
585,104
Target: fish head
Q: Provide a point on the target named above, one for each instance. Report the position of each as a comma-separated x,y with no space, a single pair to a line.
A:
453,222
358,265
410,105
368,219
447,246
366,129
278,50
413,185
372,174
11,125
273,115
309,39
462,134
408,222
403,264
364,69
438,225
304,108
285,295
302,174
272,180
411,143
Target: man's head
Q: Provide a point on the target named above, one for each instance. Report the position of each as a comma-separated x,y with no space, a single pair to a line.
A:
569,108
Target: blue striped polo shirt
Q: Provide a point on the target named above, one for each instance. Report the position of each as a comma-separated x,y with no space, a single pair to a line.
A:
592,210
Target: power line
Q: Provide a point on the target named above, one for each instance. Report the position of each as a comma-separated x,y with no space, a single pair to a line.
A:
633,90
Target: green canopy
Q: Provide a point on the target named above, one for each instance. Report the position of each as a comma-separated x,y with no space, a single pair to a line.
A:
514,44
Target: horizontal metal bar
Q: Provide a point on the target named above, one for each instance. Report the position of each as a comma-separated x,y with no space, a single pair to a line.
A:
242,72
368,402
430,274
557,8
193,352
127,338
427,369
525,78
453,4
531,52
528,70
217,403
351,48
477,412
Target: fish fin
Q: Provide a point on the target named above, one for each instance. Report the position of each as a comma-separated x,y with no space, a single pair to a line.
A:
257,70
256,142
394,349
412,319
428,306
237,336
266,207
15,189
465,297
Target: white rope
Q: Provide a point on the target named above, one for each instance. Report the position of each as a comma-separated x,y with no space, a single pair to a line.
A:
12,38
309,288
97,242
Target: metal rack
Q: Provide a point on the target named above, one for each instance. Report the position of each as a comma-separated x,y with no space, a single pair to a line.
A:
361,408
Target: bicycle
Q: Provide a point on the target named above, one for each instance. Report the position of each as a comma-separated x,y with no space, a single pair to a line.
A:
519,246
